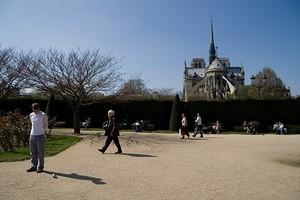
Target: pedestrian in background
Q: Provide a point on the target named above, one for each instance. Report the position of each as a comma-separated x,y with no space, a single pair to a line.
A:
184,127
198,126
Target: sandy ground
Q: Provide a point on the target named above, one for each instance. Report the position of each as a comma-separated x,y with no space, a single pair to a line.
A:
162,166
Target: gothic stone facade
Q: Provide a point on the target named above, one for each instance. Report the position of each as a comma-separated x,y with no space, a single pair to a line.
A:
216,81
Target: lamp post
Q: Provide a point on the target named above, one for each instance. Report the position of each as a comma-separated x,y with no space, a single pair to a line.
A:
288,92
260,83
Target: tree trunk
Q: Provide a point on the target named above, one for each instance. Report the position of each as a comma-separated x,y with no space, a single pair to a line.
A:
76,119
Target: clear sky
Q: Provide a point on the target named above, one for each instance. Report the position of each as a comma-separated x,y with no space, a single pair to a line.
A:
155,37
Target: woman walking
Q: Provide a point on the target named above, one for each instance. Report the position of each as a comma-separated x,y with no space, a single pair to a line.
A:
184,127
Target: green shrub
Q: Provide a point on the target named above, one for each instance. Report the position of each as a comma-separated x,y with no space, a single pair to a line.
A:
14,131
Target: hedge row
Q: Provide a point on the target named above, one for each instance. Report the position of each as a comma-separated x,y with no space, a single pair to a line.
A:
229,113
233,113
158,112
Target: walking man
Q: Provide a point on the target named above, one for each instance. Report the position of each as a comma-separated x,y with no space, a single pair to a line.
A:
199,126
112,133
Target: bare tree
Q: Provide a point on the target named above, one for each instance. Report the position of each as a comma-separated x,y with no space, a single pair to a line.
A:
11,72
268,85
163,92
136,87
76,76
133,87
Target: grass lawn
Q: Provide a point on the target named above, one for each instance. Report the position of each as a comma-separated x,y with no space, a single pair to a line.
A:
54,145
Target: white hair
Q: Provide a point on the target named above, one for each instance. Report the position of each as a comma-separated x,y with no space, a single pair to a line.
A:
111,112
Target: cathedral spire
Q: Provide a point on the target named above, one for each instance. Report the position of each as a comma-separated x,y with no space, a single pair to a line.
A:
212,49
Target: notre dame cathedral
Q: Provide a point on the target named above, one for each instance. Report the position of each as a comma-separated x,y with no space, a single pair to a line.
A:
216,81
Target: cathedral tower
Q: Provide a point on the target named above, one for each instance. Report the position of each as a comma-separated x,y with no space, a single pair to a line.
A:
216,81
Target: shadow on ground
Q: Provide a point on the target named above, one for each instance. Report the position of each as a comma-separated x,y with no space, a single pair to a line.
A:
94,180
139,155
289,161
192,138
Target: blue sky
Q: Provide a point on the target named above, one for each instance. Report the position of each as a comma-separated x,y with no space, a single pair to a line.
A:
155,37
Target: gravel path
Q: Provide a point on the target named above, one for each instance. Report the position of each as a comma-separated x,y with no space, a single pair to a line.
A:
162,166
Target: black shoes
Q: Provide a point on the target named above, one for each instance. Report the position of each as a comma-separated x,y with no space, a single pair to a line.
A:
40,170
196,134
31,169
101,150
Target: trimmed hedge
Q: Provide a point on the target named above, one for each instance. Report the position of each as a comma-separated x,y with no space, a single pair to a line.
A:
230,113
233,113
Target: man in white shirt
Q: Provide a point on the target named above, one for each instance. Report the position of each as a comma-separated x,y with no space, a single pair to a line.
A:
39,126
198,124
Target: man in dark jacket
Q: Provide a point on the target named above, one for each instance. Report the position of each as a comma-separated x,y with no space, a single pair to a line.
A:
112,133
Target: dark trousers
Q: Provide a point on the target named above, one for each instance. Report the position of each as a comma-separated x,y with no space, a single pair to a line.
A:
184,131
198,129
108,141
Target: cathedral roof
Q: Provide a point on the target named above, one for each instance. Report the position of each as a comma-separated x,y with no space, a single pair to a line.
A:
216,65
